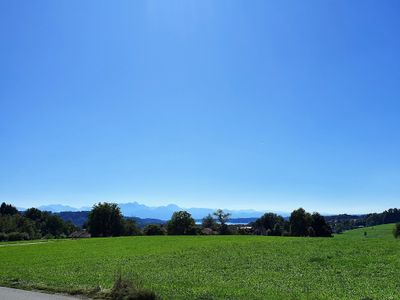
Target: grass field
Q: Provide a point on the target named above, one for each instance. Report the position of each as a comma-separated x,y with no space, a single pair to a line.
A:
348,266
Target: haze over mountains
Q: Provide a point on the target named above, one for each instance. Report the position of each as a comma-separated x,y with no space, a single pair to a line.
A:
135,209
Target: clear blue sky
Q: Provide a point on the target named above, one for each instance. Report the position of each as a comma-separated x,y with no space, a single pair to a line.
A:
268,105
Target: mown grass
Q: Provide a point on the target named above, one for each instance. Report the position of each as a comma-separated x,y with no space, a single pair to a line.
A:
348,266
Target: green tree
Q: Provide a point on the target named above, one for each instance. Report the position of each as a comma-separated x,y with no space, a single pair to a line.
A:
278,229
105,219
28,226
181,223
269,222
53,225
396,231
321,228
69,227
32,224
34,214
374,219
7,209
131,228
209,222
222,219
299,221
9,223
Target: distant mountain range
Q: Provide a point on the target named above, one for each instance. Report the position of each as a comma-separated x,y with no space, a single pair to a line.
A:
59,208
135,209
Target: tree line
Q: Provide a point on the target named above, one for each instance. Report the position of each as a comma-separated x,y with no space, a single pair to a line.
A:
300,223
106,219
340,223
31,224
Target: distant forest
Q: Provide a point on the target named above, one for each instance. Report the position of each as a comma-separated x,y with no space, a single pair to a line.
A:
340,223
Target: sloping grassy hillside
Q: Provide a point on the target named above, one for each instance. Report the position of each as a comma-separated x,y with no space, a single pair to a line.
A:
348,266
380,231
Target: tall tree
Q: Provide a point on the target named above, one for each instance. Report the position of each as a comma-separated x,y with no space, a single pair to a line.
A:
319,225
7,209
209,222
105,219
53,225
181,223
270,224
222,219
299,221
34,214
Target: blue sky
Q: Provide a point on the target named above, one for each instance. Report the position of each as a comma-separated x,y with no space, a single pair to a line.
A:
269,105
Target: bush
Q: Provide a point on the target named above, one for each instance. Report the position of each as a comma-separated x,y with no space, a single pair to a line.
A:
3,237
396,231
243,230
124,289
224,229
207,231
18,236
48,237
154,229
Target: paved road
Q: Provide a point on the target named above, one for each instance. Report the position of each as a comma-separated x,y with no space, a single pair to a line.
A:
14,294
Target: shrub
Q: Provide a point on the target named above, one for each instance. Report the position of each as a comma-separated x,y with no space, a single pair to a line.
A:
244,230
48,237
396,231
207,231
154,229
125,289
18,236
3,237
224,229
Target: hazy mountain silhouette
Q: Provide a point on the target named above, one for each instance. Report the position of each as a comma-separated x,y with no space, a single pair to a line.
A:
57,208
135,209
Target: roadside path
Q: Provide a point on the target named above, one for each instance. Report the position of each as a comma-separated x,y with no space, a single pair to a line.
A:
23,244
14,294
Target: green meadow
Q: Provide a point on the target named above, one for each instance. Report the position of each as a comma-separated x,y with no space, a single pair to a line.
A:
349,266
